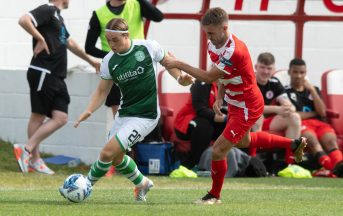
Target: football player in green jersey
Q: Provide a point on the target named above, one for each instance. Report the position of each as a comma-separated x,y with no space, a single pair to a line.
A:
132,66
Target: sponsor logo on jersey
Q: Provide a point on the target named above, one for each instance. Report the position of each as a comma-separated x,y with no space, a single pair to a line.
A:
140,56
129,75
307,109
225,61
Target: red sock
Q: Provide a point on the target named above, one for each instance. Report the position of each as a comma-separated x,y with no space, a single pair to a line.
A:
218,172
267,140
326,162
336,156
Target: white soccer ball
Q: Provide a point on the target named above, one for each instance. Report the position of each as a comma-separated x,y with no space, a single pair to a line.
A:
76,188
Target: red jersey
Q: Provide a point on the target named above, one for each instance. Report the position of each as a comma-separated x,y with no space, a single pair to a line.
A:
239,79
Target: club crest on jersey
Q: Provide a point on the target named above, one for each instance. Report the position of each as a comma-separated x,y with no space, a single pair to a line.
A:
225,61
269,94
140,56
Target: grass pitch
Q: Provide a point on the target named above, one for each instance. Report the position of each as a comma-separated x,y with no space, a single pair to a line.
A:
35,194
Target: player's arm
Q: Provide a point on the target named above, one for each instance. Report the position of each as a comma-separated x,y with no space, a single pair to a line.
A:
308,115
219,100
77,50
97,99
206,76
150,12
319,105
284,108
26,23
93,33
182,79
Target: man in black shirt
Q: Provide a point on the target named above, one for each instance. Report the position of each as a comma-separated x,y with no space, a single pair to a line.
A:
321,137
130,10
279,113
46,74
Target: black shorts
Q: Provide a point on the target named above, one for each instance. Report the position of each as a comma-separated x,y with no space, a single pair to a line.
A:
113,98
47,93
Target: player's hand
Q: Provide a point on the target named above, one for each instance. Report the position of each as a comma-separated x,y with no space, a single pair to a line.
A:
170,61
285,110
85,115
40,46
217,106
185,80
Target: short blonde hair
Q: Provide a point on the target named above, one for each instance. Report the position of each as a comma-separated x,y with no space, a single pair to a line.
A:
214,16
117,24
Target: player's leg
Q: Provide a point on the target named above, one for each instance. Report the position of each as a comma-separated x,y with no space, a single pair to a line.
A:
218,170
258,125
57,120
125,133
269,141
236,128
291,125
111,150
316,149
329,143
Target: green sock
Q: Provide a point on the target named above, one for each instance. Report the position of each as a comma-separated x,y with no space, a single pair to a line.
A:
129,168
98,170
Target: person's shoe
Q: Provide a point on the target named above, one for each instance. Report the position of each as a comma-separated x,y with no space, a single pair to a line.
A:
140,192
41,167
298,149
338,169
323,173
110,172
22,157
208,199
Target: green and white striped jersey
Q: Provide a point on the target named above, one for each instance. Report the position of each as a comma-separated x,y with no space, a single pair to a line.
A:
135,73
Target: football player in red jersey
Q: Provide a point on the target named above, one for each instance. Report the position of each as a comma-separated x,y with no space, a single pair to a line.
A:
233,68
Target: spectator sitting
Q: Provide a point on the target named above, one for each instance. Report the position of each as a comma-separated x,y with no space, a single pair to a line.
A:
279,113
197,122
321,137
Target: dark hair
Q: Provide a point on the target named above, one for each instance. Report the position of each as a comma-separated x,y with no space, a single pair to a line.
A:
266,58
296,61
214,16
117,24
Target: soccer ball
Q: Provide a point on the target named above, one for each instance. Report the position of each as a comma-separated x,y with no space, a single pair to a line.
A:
76,188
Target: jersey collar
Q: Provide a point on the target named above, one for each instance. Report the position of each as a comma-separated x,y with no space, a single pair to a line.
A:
128,52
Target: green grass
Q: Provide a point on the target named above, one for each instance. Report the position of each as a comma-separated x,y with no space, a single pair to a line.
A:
35,194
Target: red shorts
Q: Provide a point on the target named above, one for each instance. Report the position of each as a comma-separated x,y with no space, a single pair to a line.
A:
266,122
240,122
316,127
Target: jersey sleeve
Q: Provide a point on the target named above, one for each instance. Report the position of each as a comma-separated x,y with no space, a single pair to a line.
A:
104,68
42,14
279,90
157,51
